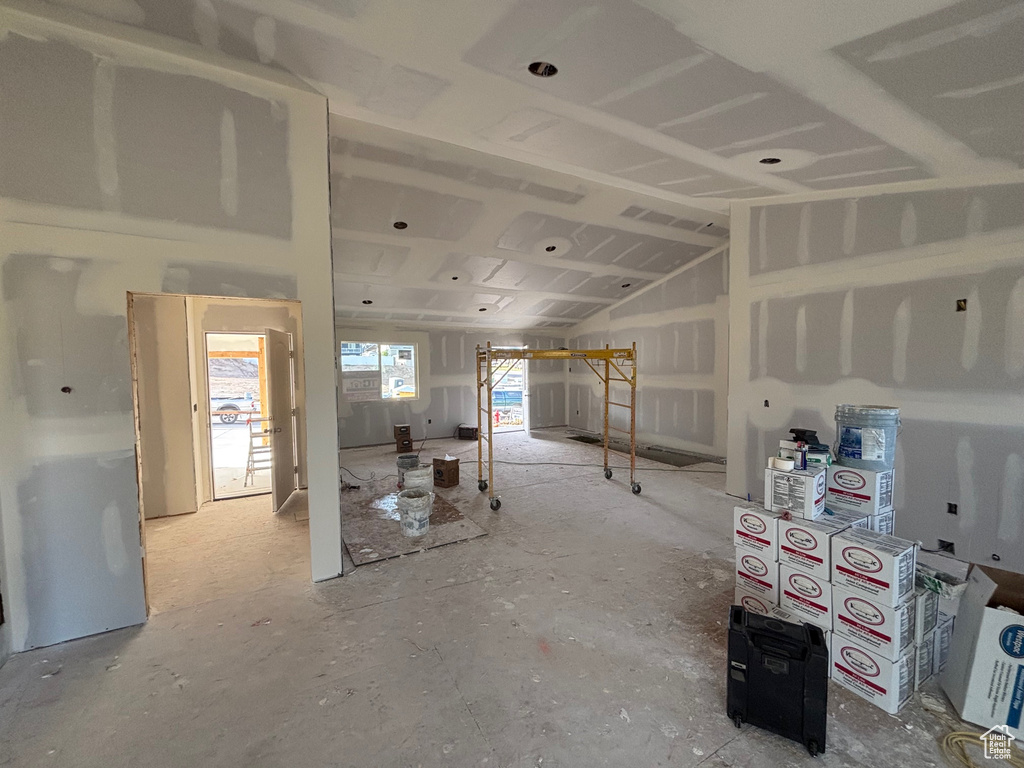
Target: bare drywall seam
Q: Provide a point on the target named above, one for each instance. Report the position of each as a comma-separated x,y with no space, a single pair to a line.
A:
910,297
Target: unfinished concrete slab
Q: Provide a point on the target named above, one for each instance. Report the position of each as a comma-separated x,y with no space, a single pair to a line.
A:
372,530
587,628
227,547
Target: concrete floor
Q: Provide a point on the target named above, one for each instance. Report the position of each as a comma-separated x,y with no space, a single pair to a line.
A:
230,455
227,547
585,630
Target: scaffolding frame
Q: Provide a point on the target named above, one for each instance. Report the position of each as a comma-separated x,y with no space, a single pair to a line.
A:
619,365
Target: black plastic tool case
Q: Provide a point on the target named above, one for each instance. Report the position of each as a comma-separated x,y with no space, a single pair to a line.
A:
778,677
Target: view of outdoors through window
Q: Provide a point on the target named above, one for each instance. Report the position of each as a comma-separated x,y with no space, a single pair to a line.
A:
378,370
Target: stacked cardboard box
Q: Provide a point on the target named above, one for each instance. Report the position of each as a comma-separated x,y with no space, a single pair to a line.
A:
874,616
841,570
863,492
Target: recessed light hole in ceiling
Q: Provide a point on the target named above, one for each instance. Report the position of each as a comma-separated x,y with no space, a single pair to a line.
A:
543,69
776,159
367,301
400,225
482,309
626,285
455,277
550,249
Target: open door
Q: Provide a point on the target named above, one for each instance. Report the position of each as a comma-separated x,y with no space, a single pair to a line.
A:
281,424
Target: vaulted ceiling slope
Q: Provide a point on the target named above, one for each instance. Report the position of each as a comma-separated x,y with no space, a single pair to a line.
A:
676,99
435,234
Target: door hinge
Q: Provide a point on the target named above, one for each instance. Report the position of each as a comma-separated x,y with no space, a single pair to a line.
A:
142,552
291,354
296,470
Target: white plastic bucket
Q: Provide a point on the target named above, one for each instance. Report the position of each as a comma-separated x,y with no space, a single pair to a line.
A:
414,507
406,462
866,436
418,478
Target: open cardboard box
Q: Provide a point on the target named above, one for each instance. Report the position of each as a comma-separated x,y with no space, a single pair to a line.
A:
984,676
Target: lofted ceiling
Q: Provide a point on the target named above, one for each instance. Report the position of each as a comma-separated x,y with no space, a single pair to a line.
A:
665,108
489,241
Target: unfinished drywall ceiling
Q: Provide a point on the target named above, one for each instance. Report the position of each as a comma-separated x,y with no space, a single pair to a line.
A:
858,300
438,234
677,99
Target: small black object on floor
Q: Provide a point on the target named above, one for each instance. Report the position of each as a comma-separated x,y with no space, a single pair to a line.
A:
778,677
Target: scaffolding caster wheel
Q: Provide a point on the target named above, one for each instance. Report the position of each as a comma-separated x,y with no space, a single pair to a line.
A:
495,504
738,720
607,474
635,487
812,748
482,485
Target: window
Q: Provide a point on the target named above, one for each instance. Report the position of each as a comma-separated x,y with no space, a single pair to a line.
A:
373,371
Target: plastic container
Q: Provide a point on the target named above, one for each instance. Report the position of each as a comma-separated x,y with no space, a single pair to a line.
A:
414,507
406,462
418,478
866,436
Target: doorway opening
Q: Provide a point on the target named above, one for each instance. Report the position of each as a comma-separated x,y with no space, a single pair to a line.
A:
219,395
240,454
508,401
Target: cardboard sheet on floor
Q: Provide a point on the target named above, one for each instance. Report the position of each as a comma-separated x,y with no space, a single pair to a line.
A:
372,533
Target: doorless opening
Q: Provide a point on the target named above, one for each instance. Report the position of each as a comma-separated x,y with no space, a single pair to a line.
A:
240,456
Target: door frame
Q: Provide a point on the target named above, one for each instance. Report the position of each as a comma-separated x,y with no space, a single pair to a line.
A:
262,363
201,410
525,399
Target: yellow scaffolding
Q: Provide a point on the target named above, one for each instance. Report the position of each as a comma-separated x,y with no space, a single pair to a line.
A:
619,365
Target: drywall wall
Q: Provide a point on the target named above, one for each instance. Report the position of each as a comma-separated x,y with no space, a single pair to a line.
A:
853,298
5,623
163,395
447,382
97,200
681,329
217,315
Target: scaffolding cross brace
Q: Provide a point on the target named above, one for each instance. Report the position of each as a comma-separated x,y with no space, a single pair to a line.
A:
618,365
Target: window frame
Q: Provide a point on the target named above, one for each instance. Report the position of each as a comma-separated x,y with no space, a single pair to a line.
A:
379,371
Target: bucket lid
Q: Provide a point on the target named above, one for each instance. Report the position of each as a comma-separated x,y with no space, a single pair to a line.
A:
887,410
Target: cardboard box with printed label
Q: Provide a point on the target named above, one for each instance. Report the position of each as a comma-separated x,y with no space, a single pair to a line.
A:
807,544
859,490
984,675
753,603
926,612
925,655
883,522
806,596
875,565
883,629
756,530
757,575
800,492
845,516
886,684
